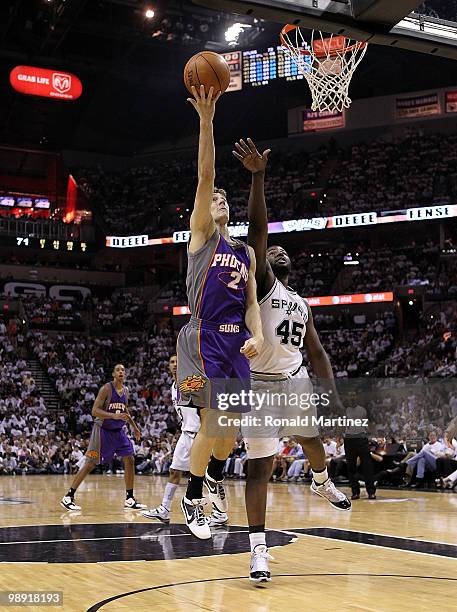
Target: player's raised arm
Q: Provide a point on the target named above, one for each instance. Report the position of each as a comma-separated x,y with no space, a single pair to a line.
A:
251,348
202,225
247,153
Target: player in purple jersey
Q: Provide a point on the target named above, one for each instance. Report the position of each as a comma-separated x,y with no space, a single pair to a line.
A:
224,331
108,437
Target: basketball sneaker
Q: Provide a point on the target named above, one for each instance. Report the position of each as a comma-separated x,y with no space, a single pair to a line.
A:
194,516
259,570
160,513
131,504
334,496
216,493
217,518
69,503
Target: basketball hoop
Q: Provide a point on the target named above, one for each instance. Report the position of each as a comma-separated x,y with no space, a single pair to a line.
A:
327,64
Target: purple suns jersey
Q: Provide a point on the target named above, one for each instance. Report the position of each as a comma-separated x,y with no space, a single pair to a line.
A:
217,276
116,404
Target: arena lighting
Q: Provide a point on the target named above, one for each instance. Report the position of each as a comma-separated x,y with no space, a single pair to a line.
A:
232,33
149,14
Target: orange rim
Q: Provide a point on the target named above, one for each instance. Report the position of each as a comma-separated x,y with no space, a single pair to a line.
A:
335,52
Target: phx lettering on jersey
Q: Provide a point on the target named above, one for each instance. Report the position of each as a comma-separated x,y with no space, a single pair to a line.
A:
116,407
227,260
290,307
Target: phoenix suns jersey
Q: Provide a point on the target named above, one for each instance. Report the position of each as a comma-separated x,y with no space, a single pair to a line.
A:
217,277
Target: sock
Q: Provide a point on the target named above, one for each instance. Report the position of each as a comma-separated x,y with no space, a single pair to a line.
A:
320,477
195,487
215,468
71,493
257,537
168,495
129,493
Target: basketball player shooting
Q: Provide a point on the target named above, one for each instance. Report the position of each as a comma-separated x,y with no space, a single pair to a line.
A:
108,438
215,344
287,325
190,424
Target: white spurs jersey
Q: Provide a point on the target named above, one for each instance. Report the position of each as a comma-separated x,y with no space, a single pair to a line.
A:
188,416
284,315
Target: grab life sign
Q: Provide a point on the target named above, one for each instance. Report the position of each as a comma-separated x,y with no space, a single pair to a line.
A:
46,83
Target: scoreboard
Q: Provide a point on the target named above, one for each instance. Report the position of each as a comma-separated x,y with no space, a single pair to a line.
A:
48,244
261,67
255,68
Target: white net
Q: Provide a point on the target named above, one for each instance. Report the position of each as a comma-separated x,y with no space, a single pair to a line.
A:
327,64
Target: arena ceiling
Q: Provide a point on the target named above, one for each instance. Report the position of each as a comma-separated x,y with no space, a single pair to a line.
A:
131,69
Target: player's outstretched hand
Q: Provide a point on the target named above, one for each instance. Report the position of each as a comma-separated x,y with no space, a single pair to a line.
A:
247,153
251,348
137,433
205,105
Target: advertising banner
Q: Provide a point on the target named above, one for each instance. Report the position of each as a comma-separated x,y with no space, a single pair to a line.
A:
417,106
314,121
46,83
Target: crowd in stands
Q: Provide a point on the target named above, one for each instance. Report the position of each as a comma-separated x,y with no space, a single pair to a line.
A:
440,9
396,461
45,313
79,366
357,352
150,199
35,440
414,169
27,432
432,351
313,273
381,269
369,269
121,312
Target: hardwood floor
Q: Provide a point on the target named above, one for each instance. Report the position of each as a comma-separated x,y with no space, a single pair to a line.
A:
396,553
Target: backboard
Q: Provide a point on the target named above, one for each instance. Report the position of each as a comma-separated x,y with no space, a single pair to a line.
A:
425,26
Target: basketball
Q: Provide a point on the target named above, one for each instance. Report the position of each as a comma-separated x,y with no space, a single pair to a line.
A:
209,69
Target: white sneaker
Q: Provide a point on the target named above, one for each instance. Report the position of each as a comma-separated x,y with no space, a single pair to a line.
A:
69,503
160,513
217,518
216,493
194,516
259,570
334,496
131,504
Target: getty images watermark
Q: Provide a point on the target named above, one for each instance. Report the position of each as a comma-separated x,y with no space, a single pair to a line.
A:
267,409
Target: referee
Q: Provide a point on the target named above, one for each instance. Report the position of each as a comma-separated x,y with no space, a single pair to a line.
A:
356,447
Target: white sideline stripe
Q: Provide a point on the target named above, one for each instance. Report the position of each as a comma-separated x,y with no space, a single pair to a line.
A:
133,561
141,537
26,562
403,550
384,535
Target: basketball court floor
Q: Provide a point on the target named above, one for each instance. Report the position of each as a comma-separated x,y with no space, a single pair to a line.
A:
396,553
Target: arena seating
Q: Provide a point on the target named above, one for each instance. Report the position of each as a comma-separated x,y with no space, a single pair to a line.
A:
414,169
